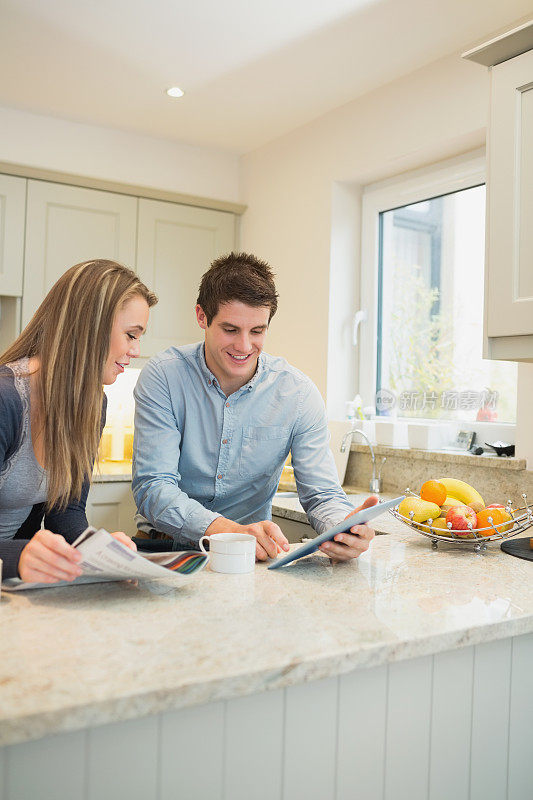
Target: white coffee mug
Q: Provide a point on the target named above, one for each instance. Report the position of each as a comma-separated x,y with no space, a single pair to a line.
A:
230,552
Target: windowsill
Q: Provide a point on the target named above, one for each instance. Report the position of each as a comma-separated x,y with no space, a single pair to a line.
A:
444,456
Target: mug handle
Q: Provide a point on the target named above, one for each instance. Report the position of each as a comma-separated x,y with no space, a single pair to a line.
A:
200,544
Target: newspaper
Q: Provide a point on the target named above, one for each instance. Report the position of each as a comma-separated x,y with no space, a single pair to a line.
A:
107,559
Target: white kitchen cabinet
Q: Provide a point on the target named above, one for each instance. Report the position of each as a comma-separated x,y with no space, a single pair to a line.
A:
175,246
454,724
12,216
66,225
110,505
510,204
509,234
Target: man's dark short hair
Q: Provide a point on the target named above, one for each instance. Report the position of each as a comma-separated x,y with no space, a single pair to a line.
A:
241,277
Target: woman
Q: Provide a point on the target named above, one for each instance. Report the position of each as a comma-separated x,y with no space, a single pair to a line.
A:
52,411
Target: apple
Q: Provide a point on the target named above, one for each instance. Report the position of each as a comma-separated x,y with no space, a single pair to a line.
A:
460,517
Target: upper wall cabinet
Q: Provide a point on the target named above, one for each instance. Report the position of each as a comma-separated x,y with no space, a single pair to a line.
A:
510,208
66,225
12,212
175,246
509,236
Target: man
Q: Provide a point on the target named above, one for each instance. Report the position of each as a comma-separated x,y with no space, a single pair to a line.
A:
215,421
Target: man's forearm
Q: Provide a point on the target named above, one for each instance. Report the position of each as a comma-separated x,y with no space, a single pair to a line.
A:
170,510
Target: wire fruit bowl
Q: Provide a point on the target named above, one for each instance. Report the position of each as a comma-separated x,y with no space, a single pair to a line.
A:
478,537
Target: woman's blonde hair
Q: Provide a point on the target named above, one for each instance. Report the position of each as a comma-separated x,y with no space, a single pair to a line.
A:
70,335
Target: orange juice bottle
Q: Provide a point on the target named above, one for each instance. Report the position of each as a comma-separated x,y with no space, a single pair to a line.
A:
128,442
104,451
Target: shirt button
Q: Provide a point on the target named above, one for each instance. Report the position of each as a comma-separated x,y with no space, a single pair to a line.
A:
227,405
210,382
219,477
224,441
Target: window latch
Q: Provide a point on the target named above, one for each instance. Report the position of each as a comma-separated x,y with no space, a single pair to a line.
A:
359,316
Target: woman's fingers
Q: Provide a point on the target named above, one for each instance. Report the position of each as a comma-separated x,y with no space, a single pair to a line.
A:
56,558
43,560
49,554
125,539
42,577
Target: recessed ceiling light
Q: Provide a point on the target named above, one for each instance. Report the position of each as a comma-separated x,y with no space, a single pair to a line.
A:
175,91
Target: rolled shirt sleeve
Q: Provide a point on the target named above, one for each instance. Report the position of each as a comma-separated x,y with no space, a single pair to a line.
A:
319,491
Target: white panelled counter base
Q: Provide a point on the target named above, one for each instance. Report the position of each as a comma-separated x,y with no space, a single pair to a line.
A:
406,674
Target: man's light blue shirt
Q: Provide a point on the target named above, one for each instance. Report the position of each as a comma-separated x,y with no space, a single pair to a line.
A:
199,455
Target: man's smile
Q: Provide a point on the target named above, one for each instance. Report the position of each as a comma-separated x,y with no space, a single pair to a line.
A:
239,359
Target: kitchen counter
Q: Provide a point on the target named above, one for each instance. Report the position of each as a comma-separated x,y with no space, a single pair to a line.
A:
403,674
73,657
112,472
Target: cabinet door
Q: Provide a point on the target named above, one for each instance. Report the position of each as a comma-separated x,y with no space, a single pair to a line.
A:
175,246
66,225
12,215
111,506
510,200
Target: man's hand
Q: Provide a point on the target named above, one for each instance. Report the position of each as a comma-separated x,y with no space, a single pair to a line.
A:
346,546
267,533
48,558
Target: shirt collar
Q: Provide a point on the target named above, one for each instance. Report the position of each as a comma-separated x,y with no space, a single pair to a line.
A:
206,372
257,374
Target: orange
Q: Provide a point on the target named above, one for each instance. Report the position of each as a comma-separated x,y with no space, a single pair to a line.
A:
499,516
433,492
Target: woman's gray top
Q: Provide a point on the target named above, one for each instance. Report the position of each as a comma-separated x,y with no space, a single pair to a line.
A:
22,479
23,482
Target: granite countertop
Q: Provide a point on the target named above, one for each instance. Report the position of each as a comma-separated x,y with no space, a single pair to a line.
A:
86,655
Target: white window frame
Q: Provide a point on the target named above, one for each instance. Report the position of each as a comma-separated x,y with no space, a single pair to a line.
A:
462,172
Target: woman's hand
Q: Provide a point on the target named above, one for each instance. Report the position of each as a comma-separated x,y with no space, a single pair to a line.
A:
48,558
125,539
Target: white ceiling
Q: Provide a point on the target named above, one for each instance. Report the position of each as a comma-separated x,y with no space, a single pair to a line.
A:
252,70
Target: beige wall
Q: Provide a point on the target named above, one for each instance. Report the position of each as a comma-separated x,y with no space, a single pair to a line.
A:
303,190
97,152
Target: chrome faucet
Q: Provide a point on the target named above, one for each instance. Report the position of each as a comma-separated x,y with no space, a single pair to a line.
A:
375,482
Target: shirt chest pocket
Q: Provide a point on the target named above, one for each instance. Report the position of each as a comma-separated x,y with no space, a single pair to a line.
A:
264,449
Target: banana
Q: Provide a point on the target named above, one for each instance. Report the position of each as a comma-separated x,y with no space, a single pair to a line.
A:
452,501
462,491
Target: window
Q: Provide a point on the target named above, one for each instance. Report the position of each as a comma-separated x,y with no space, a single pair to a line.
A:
423,288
